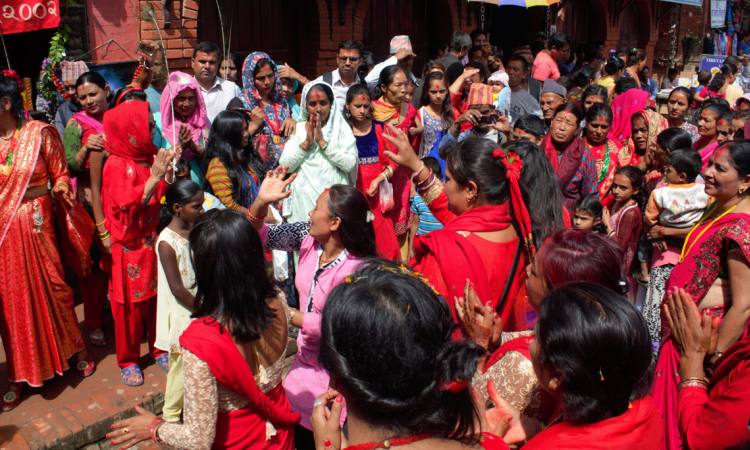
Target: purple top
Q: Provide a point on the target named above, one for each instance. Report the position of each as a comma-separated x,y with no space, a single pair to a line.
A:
306,379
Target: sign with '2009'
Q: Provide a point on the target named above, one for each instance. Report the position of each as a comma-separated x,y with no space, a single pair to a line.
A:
19,16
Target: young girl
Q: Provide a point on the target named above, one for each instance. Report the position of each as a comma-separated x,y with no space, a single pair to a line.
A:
373,167
588,215
176,284
434,117
624,221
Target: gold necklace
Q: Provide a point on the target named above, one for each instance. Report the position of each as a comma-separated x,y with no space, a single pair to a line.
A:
7,167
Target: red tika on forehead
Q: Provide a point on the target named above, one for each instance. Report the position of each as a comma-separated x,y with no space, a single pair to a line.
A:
363,98
315,95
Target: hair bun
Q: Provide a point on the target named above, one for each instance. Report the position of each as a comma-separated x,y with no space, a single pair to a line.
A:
456,365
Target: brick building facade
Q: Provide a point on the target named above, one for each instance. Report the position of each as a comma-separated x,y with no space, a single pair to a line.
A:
306,33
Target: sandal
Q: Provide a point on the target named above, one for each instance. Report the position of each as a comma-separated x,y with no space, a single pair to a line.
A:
12,397
86,368
97,338
163,361
131,375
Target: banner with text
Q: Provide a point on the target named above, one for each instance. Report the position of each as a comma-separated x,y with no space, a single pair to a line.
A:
20,16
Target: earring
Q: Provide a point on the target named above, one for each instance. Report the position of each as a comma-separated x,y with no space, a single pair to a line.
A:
553,384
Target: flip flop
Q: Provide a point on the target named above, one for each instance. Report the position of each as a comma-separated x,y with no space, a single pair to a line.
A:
163,361
12,397
131,375
86,368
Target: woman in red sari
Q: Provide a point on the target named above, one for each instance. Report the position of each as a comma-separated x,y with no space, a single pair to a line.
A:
704,406
84,151
234,350
38,325
479,242
602,147
714,270
131,190
393,109
591,353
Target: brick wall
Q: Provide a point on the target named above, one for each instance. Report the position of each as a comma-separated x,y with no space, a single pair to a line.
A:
180,37
688,20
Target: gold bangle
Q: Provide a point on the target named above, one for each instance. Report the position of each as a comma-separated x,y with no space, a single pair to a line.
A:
416,175
693,383
100,223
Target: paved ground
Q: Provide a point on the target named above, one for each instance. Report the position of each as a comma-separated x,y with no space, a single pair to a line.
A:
71,412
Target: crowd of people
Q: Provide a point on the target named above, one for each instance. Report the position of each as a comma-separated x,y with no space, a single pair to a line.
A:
496,252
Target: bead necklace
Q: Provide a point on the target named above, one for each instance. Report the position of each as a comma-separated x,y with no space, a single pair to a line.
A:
388,443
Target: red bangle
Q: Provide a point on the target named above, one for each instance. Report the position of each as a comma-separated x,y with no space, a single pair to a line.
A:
154,427
252,218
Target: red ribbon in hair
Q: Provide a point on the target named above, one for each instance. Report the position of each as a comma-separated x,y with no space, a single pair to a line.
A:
513,166
12,74
455,386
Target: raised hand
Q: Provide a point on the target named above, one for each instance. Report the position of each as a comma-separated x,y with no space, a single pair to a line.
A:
406,155
326,420
481,323
274,186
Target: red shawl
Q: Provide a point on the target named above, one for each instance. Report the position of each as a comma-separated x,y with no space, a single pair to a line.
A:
243,428
623,108
457,257
637,428
565,165
521,345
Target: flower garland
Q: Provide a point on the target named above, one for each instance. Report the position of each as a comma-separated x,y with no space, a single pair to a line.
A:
49,85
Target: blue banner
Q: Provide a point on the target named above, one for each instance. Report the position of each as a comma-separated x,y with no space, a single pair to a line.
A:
708,62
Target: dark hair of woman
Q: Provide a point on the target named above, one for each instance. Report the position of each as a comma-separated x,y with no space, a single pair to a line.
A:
179,193
636,177
386,78
599,110
717,82
595,89
531,124
9,89
613,65
625,84
570,107
431,65
582,77
539,187
396,378
356,232
354,91
225,143
230,273
126,94
482,70
739,154
596,344
674,138
261,64
93,78
446,109
325,90
472,160
684,91
719,108
635,55
569,255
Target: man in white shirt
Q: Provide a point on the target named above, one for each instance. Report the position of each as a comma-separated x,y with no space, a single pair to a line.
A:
217,92
345,76
401,54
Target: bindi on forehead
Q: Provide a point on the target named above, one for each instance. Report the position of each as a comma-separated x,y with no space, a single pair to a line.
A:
316,96
363,98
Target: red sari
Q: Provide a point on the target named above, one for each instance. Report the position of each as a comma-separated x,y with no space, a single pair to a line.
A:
386,113
702,265
38,325
725,407
637,428
452,255
132,224
243,428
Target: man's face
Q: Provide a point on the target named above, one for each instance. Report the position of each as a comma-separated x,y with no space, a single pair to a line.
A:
516,73
348,62
549,102
561,54
205,65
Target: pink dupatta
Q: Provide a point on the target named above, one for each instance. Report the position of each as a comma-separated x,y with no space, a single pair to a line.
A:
198,122
623,108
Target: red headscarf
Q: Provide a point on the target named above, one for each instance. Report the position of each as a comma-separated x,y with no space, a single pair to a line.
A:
128,132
